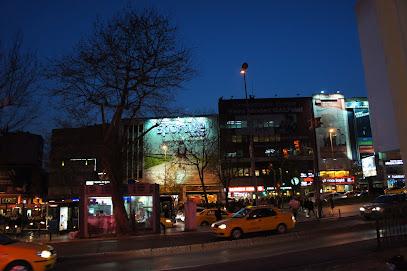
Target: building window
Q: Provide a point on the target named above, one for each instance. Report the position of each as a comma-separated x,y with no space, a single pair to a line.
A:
236,138
230,154
236,124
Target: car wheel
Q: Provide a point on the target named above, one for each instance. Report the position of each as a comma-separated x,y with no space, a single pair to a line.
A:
281,228
237,233
18,266
204,223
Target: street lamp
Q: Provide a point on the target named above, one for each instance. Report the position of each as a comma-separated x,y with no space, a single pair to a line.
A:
164,147
243,71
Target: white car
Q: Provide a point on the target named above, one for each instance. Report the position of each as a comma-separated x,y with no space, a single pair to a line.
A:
336,195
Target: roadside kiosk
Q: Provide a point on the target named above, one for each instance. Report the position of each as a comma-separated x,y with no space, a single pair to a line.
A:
141,201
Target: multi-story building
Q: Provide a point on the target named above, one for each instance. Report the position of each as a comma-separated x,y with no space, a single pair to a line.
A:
22,177
165,151
283,144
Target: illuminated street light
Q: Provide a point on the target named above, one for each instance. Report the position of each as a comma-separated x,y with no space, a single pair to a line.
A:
243,71
331,131
165,148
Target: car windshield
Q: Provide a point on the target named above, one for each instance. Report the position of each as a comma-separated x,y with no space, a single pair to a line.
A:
383,199
5,240
241,213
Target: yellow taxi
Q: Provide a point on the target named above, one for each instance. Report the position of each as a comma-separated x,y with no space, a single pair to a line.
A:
166,223
254,219
401,190
207,217
16,255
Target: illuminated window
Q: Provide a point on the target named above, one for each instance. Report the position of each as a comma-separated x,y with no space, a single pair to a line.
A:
236,138
236,124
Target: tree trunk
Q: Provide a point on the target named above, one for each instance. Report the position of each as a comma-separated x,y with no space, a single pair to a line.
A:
201,177
112,157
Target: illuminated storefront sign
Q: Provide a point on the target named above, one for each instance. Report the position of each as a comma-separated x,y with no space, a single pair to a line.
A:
282,188
398,176
9,200
97,182
393,162
305,175
348,180
246,189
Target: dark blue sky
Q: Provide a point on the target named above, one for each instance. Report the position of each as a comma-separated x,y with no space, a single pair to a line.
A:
291,46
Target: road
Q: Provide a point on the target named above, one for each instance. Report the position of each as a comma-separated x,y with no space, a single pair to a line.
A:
279,254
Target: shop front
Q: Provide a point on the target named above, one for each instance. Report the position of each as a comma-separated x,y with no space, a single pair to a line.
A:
63,215
337,181
141,203
18,212
245,192
195,193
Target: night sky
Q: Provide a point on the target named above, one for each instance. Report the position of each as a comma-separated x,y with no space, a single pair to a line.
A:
292,47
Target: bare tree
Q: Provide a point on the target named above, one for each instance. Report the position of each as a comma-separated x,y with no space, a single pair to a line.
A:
200,149
18,77
128,67
226,172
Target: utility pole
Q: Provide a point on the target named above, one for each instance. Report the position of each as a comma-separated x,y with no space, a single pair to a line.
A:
317,183
250,136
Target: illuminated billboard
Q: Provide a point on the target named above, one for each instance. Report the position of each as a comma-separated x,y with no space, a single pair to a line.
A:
369,166
333,142
174,146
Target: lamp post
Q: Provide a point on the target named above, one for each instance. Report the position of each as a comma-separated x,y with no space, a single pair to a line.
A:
164,147
243,71
331,131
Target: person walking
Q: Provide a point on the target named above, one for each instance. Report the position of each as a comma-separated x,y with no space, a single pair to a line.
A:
310,207
294,205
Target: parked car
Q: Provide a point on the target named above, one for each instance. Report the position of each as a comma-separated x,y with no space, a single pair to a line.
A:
336,195
400,190
207,217
381,204
254,219
22,256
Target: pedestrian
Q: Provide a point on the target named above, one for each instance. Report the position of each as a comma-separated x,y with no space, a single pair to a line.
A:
294,206
218,214
332,204
310,207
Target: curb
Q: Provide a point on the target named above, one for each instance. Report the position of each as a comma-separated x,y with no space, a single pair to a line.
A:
197,248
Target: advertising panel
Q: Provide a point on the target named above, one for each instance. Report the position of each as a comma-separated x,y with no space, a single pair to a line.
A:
369,166
173,149
333,143
63,218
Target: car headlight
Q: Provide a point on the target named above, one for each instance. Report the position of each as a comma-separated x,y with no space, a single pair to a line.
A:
213,225
377,209
362,209
222,226
168,220
293,218
44,254
7,227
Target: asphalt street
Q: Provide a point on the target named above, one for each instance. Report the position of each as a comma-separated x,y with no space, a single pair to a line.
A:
284,248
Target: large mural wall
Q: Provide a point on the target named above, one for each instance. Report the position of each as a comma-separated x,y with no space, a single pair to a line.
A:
172,148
